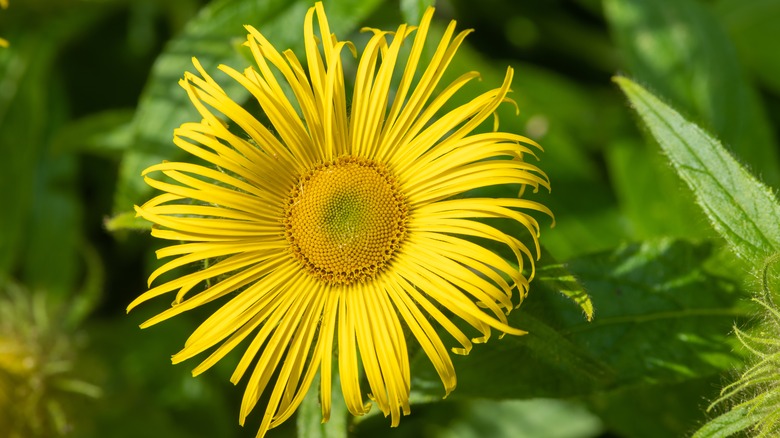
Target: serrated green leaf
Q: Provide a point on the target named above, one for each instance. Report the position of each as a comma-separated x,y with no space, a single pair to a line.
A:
678,49
213,37
744,211
656,294
728,424
661,318
542,363
556,276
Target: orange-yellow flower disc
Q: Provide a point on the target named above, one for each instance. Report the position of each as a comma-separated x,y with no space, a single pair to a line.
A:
345,219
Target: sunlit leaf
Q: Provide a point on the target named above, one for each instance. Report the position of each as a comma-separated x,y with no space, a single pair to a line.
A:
556,276
661,315
743,210
660,318
728,424
678,49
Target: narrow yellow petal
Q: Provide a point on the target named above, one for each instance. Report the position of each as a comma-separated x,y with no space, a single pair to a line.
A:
327,333
347,355
424,333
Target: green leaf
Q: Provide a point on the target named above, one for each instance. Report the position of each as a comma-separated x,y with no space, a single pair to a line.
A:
744,211
648,191
213,37
677,48
555,276
309,417
660,318
142,380
726,425
542,363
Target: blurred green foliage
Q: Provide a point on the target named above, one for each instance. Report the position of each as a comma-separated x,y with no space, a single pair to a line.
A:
89,97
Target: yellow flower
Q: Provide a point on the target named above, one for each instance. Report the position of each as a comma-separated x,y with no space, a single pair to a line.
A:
346,224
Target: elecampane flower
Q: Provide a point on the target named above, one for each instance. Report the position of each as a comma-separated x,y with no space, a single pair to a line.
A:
344,223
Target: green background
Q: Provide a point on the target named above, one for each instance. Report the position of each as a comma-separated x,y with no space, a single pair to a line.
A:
666,241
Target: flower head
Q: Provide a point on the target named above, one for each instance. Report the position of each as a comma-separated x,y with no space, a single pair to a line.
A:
346,224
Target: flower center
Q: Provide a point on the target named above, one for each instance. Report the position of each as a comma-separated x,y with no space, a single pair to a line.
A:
345,219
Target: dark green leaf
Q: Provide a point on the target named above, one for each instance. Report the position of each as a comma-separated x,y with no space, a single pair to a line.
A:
555,276
213,37
742,210
89,296
540,364
142,380
660,317
677,48
728,424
